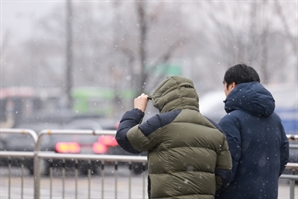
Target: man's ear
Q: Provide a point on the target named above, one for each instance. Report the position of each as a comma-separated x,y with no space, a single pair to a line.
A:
233,85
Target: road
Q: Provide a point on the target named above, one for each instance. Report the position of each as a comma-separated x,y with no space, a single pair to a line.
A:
83,192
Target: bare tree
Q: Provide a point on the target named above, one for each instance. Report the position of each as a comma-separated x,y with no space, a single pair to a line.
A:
292,39
127,46
285,25
148,49
69,55
264,45
5,42
239,44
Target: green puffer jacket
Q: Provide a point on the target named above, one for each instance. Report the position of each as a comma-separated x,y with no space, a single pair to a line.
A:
187,156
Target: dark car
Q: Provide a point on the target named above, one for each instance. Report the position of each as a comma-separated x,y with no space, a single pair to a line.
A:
66,144
72,144
89,144
17,142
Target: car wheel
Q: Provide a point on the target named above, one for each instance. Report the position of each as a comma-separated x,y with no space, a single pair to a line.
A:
31,170
45,168
137,168
84,170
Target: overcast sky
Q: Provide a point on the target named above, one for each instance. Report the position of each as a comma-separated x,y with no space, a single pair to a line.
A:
17,17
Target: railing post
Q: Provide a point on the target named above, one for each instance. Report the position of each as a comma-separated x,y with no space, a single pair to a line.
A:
292,188
36,168
292,185
36,175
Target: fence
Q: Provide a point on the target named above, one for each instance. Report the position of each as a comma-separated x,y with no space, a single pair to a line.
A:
38,155
293,178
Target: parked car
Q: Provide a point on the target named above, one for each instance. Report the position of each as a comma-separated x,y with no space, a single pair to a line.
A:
68,144
17,142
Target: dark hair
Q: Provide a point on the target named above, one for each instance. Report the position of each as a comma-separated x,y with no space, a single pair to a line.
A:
241,73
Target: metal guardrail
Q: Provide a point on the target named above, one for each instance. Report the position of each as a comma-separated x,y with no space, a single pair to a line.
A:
22,154
20,131
293,178
59,132
102,158
38,155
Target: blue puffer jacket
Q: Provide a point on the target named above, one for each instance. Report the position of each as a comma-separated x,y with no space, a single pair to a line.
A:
257,142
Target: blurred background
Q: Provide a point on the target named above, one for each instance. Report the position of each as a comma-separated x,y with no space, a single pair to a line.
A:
93,58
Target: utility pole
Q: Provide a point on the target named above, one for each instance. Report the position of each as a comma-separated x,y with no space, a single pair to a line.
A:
69,54
142,77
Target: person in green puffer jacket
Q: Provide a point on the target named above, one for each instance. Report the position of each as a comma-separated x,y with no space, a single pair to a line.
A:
188,156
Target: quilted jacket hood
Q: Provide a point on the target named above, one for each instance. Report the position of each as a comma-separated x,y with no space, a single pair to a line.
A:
252,98
175,93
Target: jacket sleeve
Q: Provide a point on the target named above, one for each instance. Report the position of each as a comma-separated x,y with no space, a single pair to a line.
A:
129,120
223,170
147,136
284,151
231,129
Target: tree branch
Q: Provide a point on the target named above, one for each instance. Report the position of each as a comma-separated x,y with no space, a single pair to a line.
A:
285,24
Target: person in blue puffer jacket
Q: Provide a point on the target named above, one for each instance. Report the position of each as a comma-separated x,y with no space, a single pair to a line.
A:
255,134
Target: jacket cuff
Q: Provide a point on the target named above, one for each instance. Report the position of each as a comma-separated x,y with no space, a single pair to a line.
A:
139,111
